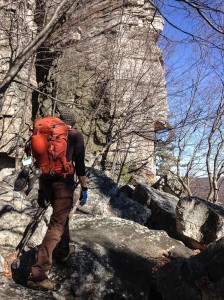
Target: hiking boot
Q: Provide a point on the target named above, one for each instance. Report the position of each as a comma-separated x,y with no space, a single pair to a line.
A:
71,250
21,179
33,176
44,285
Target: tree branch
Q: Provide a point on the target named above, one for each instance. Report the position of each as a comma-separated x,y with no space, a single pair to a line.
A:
195,6
31,48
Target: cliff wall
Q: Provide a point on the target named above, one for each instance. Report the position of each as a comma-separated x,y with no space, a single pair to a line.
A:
104,63
17,28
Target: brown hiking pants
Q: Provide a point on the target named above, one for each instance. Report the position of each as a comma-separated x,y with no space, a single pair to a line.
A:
60,193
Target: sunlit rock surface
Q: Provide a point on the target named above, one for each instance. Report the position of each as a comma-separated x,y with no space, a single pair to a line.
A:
115,257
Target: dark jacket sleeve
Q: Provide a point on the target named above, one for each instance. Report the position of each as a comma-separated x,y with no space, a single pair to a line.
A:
79,154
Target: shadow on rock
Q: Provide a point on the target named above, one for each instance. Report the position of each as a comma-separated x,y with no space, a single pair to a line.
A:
21,267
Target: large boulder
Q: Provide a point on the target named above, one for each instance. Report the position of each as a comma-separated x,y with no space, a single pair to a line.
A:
199,222
114,259
201,277
106,199
162,206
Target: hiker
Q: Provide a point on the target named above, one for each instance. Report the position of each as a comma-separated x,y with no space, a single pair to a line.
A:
58,190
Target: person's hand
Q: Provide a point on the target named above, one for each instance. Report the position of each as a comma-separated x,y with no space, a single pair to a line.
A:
83,196
41,200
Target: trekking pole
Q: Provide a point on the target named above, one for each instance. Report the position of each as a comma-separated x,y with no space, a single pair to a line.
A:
31,227
29,231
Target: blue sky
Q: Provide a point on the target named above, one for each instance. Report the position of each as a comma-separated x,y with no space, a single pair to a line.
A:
194,68
187,54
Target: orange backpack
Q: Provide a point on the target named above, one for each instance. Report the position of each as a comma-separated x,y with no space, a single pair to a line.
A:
49,145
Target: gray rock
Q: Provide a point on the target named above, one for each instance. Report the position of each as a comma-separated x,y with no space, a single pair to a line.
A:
127,190
5,172
83,31
173,283
113,259
12,291
2,264
162,206
212,257
199,277
199,222
106,199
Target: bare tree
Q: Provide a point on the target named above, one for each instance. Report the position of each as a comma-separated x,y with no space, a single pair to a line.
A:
197,150
194,81
215,154
18,62
122,93
121,109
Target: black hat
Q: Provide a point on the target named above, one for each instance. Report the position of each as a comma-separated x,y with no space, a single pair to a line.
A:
68,116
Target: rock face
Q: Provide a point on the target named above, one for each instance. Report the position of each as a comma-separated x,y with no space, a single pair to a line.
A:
126,253
118,71
116,257
106,199
15,109
194,221
108,67
162,206
200,277
113,259
199,221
